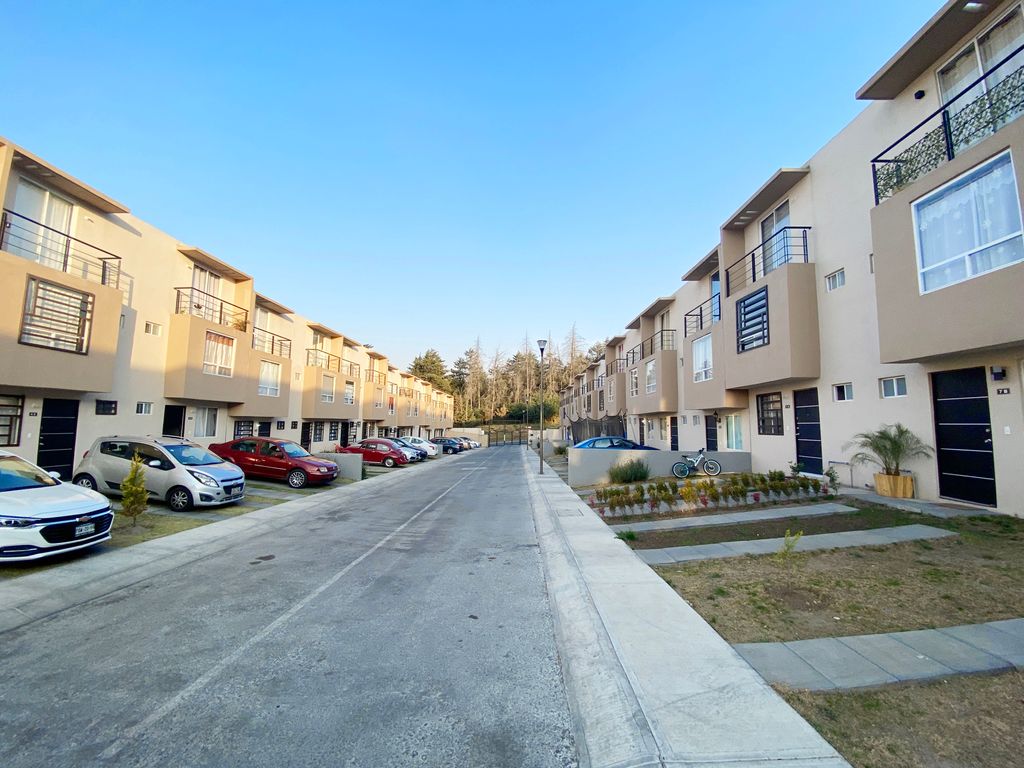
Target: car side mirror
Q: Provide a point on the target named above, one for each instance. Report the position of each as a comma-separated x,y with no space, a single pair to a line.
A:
54,475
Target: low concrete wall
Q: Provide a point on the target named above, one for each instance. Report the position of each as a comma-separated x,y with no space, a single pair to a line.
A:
350,465
473,433
589,466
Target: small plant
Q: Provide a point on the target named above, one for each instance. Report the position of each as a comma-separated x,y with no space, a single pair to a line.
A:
638,492
626,535
688,493
804,483
833,478
816,485
795,468
789,545
889,446
635,470
789,487
653,503
776,476
133,491
714,496
561,450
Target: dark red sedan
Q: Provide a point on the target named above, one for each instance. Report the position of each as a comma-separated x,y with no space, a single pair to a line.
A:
377,450
278,460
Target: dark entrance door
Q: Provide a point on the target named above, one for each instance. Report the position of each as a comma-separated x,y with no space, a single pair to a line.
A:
57,430
642,432
711,432
304,439
263,429
808,430
673,427
174,421
963,436
343,434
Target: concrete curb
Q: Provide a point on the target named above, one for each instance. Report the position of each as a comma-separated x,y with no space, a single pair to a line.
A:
35,596
649,682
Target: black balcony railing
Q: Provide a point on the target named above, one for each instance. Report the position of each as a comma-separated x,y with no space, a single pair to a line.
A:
618,365
786,245
633,356
192,301
702,316
979,110
317,358
661,340
52,248
271,343
376,377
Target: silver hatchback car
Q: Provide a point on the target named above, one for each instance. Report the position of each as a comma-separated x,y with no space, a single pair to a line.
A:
183,474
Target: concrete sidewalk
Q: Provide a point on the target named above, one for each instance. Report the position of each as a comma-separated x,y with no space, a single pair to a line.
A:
737,518
650,683
860,661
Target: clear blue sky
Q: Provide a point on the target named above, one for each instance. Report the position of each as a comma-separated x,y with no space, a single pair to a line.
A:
536,163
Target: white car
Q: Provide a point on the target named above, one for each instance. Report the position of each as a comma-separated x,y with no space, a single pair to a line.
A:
423,445
41,516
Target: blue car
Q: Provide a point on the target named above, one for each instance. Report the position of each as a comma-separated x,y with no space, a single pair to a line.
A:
617,443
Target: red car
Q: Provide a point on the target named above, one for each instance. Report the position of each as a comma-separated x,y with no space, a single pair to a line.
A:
277,459
377,450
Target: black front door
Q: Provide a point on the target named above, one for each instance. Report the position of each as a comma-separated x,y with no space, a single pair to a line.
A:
304,439
808,430
674,433
263,429
711,432
174,421
57,430
963,436
345,427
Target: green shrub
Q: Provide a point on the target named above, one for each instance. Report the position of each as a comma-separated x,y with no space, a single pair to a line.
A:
626,535
561,450
635,470
133,491
788,545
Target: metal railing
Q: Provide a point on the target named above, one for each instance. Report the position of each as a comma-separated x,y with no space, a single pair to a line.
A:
192,301
317,358
351,369
265,341
52,248
977,111
656,342
704,315
786,245
618,365
633,356
376,377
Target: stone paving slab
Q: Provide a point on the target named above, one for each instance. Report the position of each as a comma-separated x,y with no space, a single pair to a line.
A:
1014,626
951,652
785,665
991,640
736,518
843,666
898,659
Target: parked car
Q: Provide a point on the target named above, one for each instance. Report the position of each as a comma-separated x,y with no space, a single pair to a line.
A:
448,445
41,516
465,442
421,454
378,450
411,454
183,474
619,443
278,460
472,443
423,445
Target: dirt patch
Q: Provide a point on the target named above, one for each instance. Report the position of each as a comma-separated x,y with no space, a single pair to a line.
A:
975,577
960,722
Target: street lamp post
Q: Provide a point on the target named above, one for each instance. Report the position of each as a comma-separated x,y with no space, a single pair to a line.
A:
541,343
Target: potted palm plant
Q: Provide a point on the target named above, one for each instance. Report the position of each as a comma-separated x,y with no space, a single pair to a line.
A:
889,446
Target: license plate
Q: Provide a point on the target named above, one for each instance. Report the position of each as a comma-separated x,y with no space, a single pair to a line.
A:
85,529
235,490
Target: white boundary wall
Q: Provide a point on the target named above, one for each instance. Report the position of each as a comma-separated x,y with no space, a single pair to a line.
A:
589,466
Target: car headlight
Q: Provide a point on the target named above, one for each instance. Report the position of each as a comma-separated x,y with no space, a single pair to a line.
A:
323,470
203,478
19,522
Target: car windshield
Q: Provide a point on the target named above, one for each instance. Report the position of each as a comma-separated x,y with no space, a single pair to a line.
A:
294,450
192,455
16,474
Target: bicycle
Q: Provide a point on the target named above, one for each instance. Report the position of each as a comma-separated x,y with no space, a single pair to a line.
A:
690,464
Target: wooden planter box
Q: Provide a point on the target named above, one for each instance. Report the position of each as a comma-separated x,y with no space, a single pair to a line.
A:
895,486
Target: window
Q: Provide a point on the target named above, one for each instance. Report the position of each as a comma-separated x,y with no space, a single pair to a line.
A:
651,376
248,446
206,422
969,227
682,419
634,382
56,317
143,409
10,419
318,431
378,397
836,280
327,389
893,386
333,432
775,250
295,425
280,426
154,329
270,379
587,408
391,405
106,407
46,241
769,414
600,400
350,393
218,354
611,389
734,431
702,358
696,419
244,429
752,321
843,391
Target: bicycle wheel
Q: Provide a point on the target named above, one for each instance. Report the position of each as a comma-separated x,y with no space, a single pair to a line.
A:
681,469
712,467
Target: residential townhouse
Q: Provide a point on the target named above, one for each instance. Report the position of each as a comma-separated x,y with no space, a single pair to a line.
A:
110,326
881,281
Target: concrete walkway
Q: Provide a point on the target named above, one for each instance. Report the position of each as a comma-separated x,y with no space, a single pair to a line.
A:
870,538
737,518
861,661
650,683
943,510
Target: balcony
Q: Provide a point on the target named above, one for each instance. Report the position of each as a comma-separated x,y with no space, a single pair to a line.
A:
787,245
192,301
633,356
375,377
618,365
658,342
986,105
271,343
330,387
704,377
208,360
657,376
702,317
58,250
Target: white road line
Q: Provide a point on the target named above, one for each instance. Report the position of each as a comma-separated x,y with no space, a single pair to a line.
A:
173,703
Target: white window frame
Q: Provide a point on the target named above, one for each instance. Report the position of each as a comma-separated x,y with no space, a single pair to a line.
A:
847,387
651,376
634,381
704,371
153,329
348,396
835,280
215,367
203,417
325,395
973,45
143,408
895,387
269,390
734,431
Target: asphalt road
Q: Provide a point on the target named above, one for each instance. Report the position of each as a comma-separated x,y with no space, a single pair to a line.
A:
404,626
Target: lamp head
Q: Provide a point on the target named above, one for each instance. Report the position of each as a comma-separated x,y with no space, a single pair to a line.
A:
542,343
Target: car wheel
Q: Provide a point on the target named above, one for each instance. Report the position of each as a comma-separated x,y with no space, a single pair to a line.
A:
449,451
389,462
179,499
297,478
86,481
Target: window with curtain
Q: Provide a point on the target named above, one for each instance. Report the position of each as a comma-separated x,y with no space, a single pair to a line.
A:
327,390
702,358
270,379
651,376
734,432
218,354
378,398
206,422
969,227
634,382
